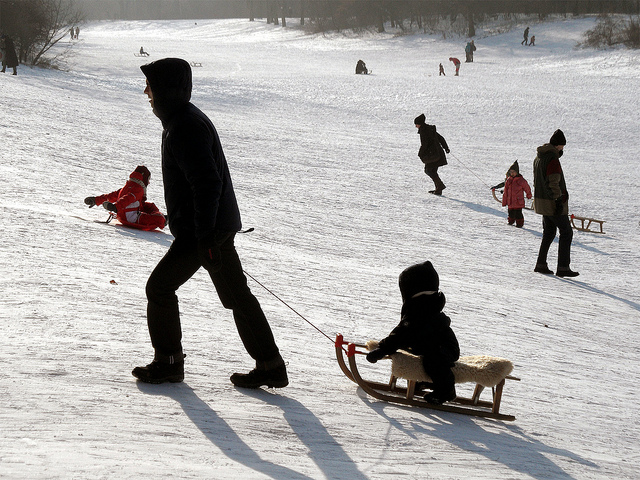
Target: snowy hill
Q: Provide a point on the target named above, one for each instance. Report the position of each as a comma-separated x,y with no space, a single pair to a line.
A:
325,168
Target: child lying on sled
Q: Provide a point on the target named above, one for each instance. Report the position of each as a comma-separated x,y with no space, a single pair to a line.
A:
424,330
130,203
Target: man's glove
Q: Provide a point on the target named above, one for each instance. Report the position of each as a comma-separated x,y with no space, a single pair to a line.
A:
91,201
559,205
110,206
209,253
374,355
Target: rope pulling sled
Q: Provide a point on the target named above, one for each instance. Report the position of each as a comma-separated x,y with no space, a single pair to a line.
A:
483,370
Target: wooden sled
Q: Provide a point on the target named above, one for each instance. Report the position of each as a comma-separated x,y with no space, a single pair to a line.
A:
195,64
583,227
140,54
404,365
499,200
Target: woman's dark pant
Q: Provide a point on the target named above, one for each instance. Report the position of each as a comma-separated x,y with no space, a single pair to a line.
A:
178,265
432,172
551,223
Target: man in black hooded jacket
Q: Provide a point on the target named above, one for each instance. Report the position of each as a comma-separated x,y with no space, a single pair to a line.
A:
203,217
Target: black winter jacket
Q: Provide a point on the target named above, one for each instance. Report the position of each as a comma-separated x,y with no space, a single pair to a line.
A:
432,146
198,191
423,330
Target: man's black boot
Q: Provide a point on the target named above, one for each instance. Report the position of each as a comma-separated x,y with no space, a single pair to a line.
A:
160,372
262,377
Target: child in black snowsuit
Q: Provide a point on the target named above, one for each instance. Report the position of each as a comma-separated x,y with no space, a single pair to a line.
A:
424,330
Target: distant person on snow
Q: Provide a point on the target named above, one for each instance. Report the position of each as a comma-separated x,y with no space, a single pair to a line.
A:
143,53
515,188
361,68
424,330
551,201
9,59
204,219
130,203
77,32
468,50
432,152
526,37
533,41
456,62
442,71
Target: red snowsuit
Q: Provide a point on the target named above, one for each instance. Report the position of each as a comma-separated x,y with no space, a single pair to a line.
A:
456,62
133,209
514,189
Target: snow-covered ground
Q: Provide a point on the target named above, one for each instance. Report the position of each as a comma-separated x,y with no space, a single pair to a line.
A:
325,168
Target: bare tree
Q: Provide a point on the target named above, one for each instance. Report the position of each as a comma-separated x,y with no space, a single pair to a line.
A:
38,25
56,19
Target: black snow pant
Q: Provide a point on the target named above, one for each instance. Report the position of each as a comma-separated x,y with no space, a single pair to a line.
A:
439,369
551,224
178,265
432,172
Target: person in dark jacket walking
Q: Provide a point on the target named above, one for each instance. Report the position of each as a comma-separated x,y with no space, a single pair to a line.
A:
432,152
9,59
424,330
203,217
525,37
550,199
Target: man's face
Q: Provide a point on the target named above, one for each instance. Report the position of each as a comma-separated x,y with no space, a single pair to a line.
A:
149,93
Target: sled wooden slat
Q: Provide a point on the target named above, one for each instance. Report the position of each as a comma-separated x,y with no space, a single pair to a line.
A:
587,227
391,392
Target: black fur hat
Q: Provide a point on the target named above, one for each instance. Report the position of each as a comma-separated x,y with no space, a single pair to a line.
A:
421,277
420,119
558,138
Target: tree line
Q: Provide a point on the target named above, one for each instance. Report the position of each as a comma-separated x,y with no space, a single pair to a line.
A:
357,14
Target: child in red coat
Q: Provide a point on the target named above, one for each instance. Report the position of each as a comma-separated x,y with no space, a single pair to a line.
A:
130,203
515,186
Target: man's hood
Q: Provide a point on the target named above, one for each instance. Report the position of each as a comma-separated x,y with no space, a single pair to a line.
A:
547,149
170,83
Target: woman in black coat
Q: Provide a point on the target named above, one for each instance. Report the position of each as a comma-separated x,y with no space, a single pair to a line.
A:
432,148
9,59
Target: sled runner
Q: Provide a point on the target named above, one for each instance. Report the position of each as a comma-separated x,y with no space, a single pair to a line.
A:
493,191
583,227
113,220
195,64
482,370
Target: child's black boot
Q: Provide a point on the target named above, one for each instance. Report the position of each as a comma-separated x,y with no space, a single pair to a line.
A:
438,397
